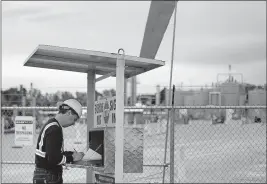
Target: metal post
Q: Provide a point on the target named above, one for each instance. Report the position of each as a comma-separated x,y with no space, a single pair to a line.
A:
2,131
167,126
172,140
119,118
90,115
1,143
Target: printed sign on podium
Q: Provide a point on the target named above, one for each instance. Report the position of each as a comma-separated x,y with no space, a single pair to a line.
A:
105,113
24,130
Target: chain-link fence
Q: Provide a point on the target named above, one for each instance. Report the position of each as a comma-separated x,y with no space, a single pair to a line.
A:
18,161
210,145
231,147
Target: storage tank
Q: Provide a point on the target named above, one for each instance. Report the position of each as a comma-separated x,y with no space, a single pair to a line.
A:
178,98
201,98
230,94
188,100
257,97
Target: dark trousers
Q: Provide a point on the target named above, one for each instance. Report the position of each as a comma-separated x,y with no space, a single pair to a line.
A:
44,176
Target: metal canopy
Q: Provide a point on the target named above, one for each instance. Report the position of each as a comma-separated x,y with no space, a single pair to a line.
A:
80,60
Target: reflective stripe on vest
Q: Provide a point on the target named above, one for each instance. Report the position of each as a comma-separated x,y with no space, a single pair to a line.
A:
39,151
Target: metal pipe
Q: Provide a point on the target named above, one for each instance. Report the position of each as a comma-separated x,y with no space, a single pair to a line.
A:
172,140
1,146
17,162
74,165
119,132
159,165
167,126
201,107
158,107
91,77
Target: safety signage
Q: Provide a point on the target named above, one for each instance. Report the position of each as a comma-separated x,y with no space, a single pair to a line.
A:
105,113
24,130
101,178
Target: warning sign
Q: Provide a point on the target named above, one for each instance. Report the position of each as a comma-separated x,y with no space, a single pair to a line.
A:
101,178
105,113
24,130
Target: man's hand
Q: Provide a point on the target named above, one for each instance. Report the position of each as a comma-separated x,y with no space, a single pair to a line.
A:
77,156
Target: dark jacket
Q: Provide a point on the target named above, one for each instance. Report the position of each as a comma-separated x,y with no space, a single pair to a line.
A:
50,154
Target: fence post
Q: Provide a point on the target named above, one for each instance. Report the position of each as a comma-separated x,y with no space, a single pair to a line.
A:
1,146
172,140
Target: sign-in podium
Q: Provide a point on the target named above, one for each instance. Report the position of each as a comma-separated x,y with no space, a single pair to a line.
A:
103,141
121,147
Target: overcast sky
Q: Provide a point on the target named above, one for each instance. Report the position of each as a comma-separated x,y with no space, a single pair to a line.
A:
209,36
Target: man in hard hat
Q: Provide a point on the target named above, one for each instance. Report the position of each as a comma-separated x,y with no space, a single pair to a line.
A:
50,154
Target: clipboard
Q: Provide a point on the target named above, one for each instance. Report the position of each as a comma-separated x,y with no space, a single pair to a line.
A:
91,155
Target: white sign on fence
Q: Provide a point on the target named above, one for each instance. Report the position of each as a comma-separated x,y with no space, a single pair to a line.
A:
105,113
24,130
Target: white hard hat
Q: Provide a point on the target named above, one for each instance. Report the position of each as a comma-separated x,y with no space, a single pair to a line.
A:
75,105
